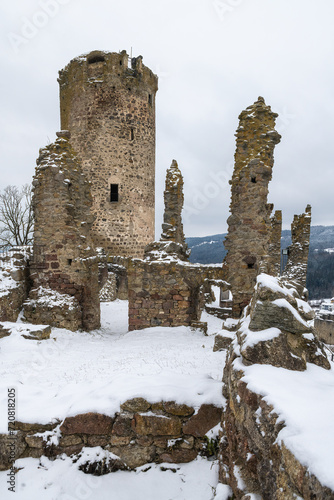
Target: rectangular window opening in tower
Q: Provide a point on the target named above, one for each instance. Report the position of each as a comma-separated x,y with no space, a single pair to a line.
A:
114,193
132,134
150,101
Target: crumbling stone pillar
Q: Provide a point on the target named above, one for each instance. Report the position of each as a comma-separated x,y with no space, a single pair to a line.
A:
172,242
296,267
249,225
274,261
64,267
172,227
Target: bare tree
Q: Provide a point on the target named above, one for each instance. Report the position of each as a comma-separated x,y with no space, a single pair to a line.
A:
16,216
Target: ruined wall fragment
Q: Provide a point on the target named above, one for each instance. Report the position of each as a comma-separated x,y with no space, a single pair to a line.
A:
254,460
249,226
172,227
14,282
296,267
64,266
274,251
167,293
172,244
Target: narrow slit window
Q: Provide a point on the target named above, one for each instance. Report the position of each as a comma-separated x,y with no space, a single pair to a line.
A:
132,134
150,99
114,192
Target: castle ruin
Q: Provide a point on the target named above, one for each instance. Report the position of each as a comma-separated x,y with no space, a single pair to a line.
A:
94,187
109,108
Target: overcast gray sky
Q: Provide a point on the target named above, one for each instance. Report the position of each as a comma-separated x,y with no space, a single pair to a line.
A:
213,59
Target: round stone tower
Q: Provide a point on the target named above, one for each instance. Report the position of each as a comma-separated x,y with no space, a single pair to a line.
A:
109,108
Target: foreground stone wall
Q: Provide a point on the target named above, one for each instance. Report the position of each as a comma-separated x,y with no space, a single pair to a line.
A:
64,267
14,282
140,433
250,450
109,108
252,461
250,231
167,293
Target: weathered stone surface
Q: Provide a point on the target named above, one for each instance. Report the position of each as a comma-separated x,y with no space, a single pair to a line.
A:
178,456
98,441
221,343
167,293
177,409
250,229
87,423
136,438
11,448
144,440
296,267
287,351
156,425
172,228
136,404
274,250
14,273
64,267
34,428
122,426
198,425
109,109
108,292
268,314
72,440
276,304
135,455
324,330
250,450
40,334
187,443
34,441
252,460
4,332
119,440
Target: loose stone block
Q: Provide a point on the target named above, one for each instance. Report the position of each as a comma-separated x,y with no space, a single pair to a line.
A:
87,423
198,425
156,425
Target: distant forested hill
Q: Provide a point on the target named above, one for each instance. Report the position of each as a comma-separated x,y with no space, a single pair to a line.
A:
320,276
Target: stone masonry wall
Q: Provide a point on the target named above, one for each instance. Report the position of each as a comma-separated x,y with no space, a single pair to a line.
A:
14,282
64,267
140,433
167,293
296,267
253,460
324,329
249,226
274,251
109,109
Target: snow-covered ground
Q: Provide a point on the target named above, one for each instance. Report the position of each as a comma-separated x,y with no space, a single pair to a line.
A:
79,372
61,480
